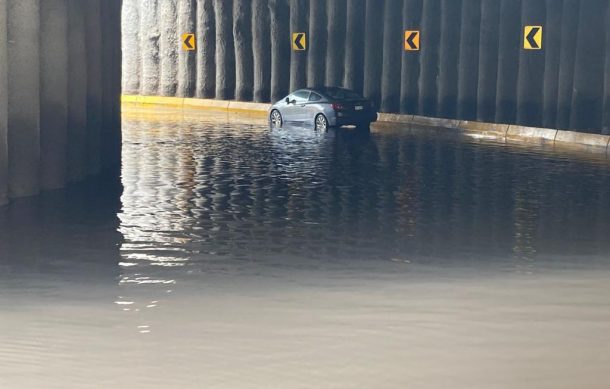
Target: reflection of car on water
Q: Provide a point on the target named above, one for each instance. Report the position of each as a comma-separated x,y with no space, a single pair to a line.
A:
324,107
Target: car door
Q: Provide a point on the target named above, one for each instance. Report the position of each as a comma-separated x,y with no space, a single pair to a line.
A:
301,98
313,106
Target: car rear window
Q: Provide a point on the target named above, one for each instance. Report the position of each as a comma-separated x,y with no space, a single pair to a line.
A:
342,94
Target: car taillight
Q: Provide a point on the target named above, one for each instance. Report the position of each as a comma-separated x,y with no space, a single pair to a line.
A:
338,107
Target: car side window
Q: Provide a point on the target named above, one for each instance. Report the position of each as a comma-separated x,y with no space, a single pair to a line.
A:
301,96
315,97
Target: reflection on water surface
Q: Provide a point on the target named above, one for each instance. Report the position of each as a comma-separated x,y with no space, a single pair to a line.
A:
238,256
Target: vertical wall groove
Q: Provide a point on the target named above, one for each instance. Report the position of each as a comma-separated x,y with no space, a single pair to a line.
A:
531,68
149,46
354,51
409,92
508,61
262,51
488,60
131,43
429,59
280,48
168,47
187,13
469,59
53,92
373,46
449,57
587,99
392,48
606,124
77,92
299,10
567,60
23,97
94,85
316,65
335,50
206,52
225,68
3,106
552,58
242,30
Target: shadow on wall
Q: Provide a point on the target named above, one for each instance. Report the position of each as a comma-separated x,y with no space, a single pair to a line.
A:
471,63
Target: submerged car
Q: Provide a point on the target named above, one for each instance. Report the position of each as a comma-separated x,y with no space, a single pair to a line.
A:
324,107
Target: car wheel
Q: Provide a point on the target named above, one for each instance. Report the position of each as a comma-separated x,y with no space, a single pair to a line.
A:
321,123
275,119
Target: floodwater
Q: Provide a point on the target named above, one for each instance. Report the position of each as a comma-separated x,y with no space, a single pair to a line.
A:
235,256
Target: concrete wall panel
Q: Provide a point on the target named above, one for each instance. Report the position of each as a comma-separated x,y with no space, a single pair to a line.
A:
449,56
187,60
24,97
606,124
225,56
242,31
261,47
469,59
392,49
373,46
299,18
316,65
168,47
53,92
409,91
488,60
552,59
335,50
354,51
280,48
93,19
429,58
3,106
131,43
149,36
508,61
587,100
77,92
206,38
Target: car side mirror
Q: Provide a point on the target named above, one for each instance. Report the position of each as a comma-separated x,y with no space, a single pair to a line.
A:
287,100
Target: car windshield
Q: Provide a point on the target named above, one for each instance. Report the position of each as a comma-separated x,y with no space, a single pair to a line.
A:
341,94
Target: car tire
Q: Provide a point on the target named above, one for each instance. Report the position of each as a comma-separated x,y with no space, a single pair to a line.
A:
321,123
275,119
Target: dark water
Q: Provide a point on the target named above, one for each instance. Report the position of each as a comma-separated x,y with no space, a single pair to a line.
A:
215,212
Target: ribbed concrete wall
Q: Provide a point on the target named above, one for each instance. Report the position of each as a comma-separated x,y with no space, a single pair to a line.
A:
3,106
59,92
471,65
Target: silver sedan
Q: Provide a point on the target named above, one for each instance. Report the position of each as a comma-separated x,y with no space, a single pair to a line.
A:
324,108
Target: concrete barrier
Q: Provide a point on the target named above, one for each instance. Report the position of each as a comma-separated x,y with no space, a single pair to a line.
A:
531,134
435,122
490,129
500,131
581,139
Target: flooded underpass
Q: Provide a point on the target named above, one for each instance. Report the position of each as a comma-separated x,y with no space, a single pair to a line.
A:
231,255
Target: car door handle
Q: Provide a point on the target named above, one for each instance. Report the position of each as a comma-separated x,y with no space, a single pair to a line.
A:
303,105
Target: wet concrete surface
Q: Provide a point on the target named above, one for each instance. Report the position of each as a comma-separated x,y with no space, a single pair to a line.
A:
231,255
